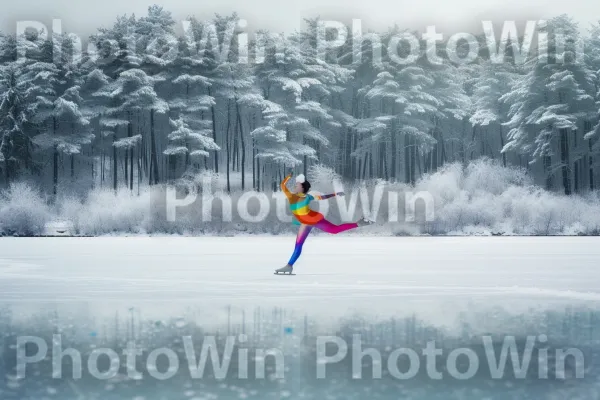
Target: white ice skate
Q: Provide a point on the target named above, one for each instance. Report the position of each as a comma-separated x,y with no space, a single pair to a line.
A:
365,222
287,270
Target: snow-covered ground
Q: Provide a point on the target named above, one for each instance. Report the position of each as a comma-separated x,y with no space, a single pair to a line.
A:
336,275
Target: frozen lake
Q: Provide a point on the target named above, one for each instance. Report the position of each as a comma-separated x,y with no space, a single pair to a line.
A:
393,291
336,275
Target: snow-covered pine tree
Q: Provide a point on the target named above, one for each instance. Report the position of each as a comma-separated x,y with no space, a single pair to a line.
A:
548,104
198,62
301,85
94,108
592,126
193,136
21,82
377,132
15,144
118,48
66,128
488,112
272,142
193,141
133,91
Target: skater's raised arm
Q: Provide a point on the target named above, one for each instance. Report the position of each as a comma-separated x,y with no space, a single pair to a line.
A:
284,188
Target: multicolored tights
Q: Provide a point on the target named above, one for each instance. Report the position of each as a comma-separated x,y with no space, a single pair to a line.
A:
323,225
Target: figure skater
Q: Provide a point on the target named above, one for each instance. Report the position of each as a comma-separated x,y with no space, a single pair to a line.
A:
307,219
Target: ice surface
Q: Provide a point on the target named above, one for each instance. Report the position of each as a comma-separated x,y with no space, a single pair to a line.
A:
404,291
336,276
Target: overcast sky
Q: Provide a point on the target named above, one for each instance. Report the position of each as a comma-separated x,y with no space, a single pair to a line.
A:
83,16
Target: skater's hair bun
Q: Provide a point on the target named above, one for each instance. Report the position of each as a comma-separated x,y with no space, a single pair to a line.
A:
305,186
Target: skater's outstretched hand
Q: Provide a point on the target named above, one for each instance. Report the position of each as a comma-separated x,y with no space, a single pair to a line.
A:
283,186
341,194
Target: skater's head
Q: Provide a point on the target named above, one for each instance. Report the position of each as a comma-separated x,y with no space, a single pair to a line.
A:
302,185
305,187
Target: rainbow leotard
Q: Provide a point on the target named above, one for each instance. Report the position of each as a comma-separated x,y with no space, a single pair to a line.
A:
299,206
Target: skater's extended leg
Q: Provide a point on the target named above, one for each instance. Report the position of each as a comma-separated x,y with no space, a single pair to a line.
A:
300,238
328,227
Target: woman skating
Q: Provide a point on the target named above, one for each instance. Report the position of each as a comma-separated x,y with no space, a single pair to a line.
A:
307,219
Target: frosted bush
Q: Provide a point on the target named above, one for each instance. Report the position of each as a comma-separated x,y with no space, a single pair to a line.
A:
23,211
104,211
482,198
444,185
488,197
489,176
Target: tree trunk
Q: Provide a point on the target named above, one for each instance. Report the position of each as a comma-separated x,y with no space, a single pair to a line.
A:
92,164
102,159
381,153
347,160
547,161
72,155
434,155
55,160
227,144
55,171
394,156
253,152
6,172
126,166
502,147
473,142
144,144
385,165
576,177
258,174
131,169
591,167
463,151
214,130
235,158
371,165
139,168
406,158
243,144
305,166
130,134
153,155
115,166
413,158
443,156
482,139
564,150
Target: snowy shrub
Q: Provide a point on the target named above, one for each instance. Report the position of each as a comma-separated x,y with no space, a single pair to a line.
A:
444,185
23,211
104,211
489,176
486,197
483,198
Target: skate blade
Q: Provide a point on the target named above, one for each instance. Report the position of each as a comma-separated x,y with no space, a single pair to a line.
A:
284,273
